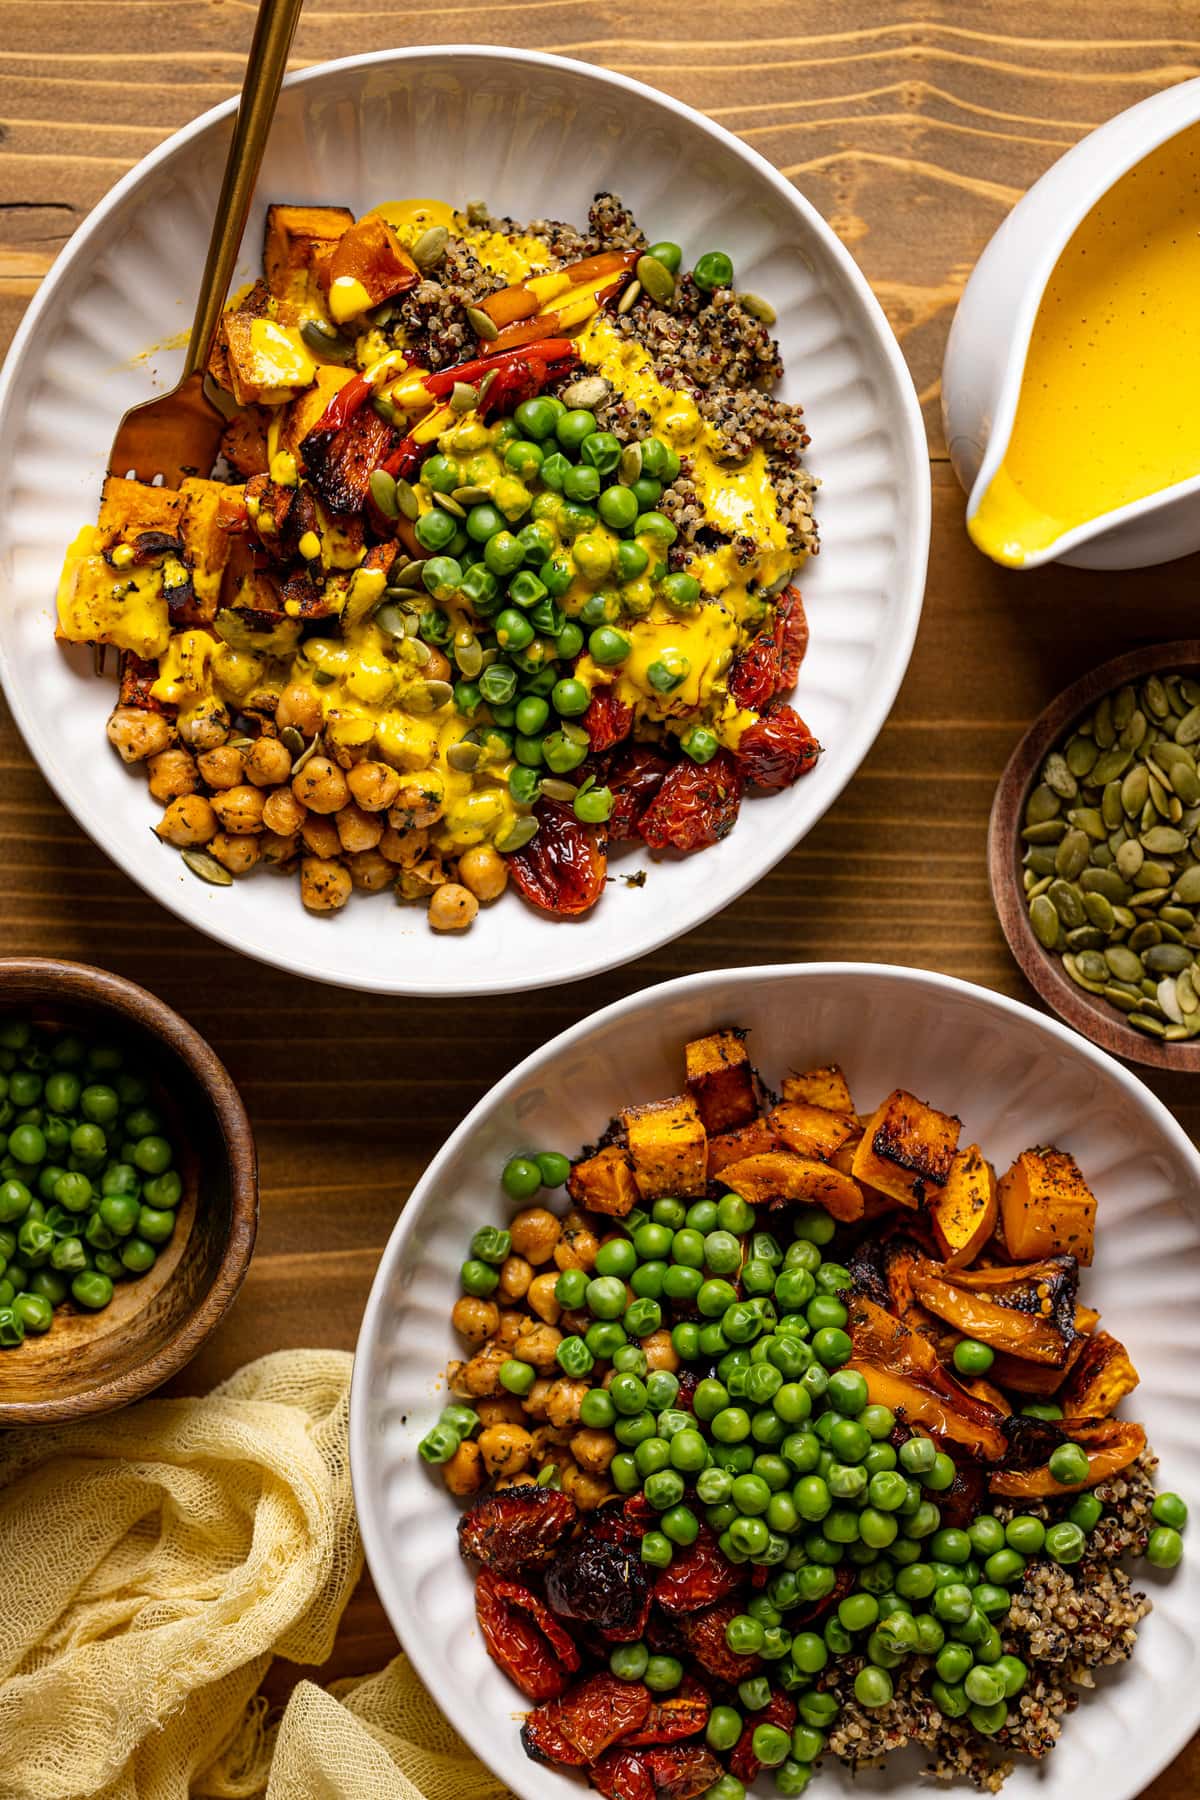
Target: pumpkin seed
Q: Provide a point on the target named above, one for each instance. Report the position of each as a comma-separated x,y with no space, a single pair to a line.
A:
1170,933
449,504
1038,886
629,297
326,342
1102,856
391,619
630,467
468,654
1152,874
1120,998
428,696
1040,859
1146,899
1067,903
485,386
559,790
430,247
1188,729
1186,783
1164,840
413,651
1167,959
1092,966
1085,937
1047,833
1103,729
656,278
291,740
1123,703
1071,857
463,399
464,756
1187,886
1185,991
478,212
588,392
206,867
410,506
383,493
472,494
1071,965
1110,763
482,324
1104,881
1111,810
1155,698
1099,912
1159,797
1176,1034
383,407
1123,962
1080,753
305,755
1134,732
1134,788
1145,935
1058,777
517,834
1043,916
1088,819
1129,859
1150,1026
1042,805
1178,916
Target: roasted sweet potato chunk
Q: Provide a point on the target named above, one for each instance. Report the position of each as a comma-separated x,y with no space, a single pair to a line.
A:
963,1214
812,1130
668,1146
368,266
1028,1313
907,1148
721,1081
268,362
782,1175
826,1087
604,1183
1100,1380
296,241
1046,1207
731,1146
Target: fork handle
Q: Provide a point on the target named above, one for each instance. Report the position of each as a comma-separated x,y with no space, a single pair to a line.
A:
273,32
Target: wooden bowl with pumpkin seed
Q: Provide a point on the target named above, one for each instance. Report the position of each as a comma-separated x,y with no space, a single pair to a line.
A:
1094,855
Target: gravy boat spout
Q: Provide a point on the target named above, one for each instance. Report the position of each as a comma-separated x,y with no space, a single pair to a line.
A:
992,344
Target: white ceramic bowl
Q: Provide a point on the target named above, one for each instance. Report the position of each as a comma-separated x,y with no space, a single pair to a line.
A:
535,135
1015,1078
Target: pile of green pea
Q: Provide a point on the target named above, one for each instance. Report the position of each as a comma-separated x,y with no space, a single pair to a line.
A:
785,1458
88,1189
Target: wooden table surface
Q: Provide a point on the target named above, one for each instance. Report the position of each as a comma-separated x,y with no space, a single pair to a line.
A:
913,128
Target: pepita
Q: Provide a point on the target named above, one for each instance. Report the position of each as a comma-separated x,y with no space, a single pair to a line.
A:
383,493
464,756
430,247
1071,857
478,212
630,467
1123,962
1085,937
206,867
468,654
1177,916
1129,859
1134,788
1145,1023
1048,832
1145,936
1071,965
291,740
1164,840
1188,729
1042,804
1167,959
1124,702
516,835
1088,819
1187,886
304,755
1058,777
758,308
410,506
407,574
630,295
1103,729
482,324
656,278
413,650
1106,882
1185,991
1159,794
428,696
589,392
1154,696
391,619
1133,733
1111,809
562,791
1099,912
463,399
449,504
1067,903
1126,1002
322,339
1175,1034
1080,753
1109,764
1043,916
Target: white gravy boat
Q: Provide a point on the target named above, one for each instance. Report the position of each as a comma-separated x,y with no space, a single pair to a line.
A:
989,339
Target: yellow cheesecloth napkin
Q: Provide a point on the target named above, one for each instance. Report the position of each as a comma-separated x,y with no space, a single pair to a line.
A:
154,1561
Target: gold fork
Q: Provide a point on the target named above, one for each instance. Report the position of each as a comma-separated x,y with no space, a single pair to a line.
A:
178,433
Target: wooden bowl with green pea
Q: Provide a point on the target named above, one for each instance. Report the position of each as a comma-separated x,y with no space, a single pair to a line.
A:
128,1191
1094,855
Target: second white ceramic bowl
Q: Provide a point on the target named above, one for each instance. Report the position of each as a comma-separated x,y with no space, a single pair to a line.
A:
1016,1079
537,136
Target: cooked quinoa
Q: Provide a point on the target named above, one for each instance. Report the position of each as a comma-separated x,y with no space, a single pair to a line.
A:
1064,1623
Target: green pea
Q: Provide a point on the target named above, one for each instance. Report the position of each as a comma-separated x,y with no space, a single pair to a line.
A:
973,1358
1069,1464
832,1346
618,509
12,1326
1164,1548
537,418
724,1728
1065,1542
608,647
91,1290
478,1278
1086,1512
986,1535
622,1472
15,1201
657,1550
521,1178
632,559
941,1475
62,1091
594,806
435,530
27,1144
1169,1509
563,753
137,1255
570,697
606,1298
713,270
1026,1534
491,1245
517,1377
503,553
1042,1409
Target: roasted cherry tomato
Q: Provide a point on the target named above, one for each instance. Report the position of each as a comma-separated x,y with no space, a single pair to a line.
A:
777,749
563,869
696,805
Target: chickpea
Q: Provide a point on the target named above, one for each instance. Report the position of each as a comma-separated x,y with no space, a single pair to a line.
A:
358,830
370,871
475,1319
240,809
481,1376
484,871
452,908
268,763
463,1474
404,847
418,801
188,820
511,1325
577,1247
535,1232
223,767
505,1449
564,1401
320,836
660,1351
422,879
541,1297
373,785
515,1277
587,1491
321,786
537,1345
537,1399
300,707
206,726
593,1450
324,885
237,854
548,1442
282,812
136,734
506,1409
275,850
438,667
172,773
525,1479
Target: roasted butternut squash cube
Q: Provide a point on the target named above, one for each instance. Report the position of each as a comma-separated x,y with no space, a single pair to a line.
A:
128,508
1047,1208
268,362
669,1147
812,1130
826,1087
296,240
721,1080
97,604
907,1148
782,1175
205,541
731,1146
244,441
963,1213
368,266
1100,1380
604,1183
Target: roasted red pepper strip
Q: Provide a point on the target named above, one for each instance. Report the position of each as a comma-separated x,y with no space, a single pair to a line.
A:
549,349
345,403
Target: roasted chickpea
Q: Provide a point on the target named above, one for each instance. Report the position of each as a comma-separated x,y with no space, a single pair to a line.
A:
282,812
188,820
525,1479
224,767
373,785
299,706
505,1449
481,1376
320,836
268,762
577,1247
593,1450
172,773
535,1232
452,908
484,871
505,1409
419,800
463,1474
548,1441
240,809
275,850
474,1319
537,1345
324,885
370,871
660,1351
422,879
511,1325
136,734
404,848
538,1397
541,1297
321,786
564,1400
237,854
206,726
587,1491
358,830
515,1277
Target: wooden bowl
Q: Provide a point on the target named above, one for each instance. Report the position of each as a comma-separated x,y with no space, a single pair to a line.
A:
1094,1017
92,1362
